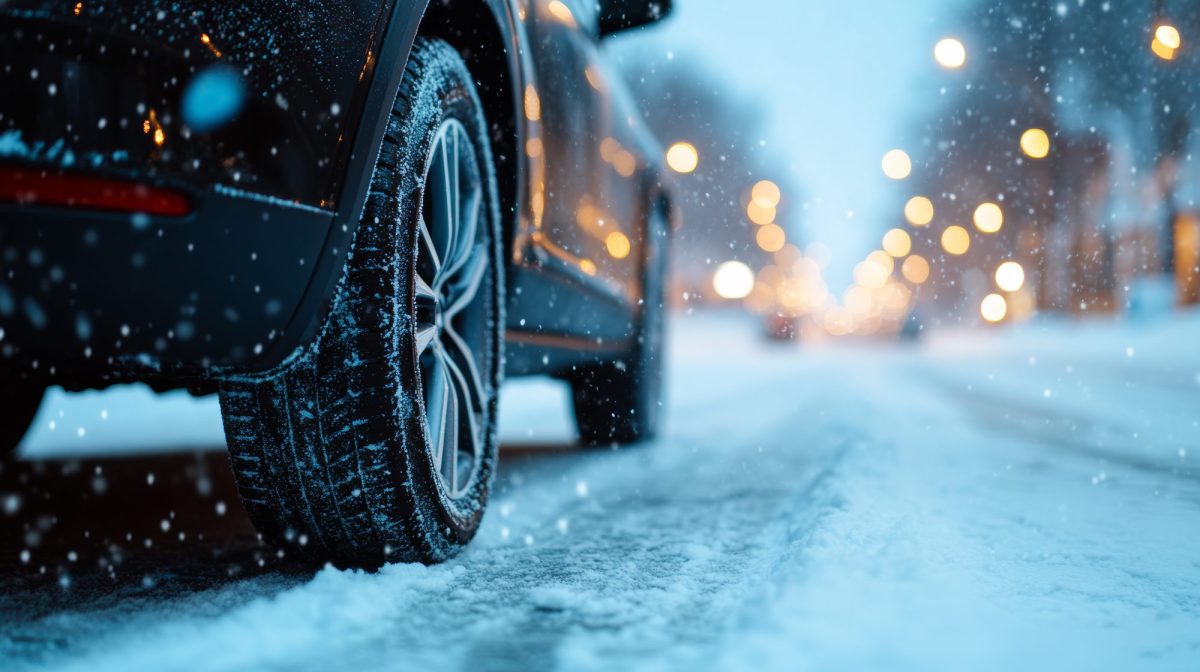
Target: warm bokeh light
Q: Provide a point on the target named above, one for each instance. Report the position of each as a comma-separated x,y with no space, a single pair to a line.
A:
993,308
950,53
1010,276
533,104
682,157
871,274
896,164
533,147
624,162
733,280
760,214
897,242
1035,143
989,217
918,211
956,240
771,238
883,260
1168,35
617,244
915,269
1166,42
790,255
766,194
1161,50
561,13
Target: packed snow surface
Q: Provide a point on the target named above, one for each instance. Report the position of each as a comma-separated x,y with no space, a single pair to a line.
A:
1010,500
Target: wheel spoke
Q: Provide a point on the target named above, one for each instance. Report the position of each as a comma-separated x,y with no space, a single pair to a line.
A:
427,244
467,230
450,439
464,388
436,402
423,290
449,218
472,381
426,335
472,278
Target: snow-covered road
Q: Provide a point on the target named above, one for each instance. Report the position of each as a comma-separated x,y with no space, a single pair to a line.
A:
981,501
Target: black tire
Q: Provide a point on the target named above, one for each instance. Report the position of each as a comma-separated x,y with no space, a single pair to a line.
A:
19,405
334,450
620,402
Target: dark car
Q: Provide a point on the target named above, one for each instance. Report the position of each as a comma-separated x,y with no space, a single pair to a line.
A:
350,220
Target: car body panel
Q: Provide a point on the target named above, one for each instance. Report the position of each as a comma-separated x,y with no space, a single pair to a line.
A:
268,236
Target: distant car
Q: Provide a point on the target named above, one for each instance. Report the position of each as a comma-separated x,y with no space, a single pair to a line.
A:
349,220
779,327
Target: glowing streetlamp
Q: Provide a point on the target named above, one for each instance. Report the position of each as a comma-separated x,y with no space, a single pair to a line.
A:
765,193
897,242
915,269
771,238
682,157
993,308
950,53
918,211
1010,276
956,240
1166,42
896,164
733,280
989,217
1035,143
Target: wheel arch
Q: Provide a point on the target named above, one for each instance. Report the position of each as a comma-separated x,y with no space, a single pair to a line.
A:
485,29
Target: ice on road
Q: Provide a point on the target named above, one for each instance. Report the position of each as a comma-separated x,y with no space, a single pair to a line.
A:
977,501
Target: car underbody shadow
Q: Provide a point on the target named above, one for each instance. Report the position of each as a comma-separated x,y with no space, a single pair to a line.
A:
87,534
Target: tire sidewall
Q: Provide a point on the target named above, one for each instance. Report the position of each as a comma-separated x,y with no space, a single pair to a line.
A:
441,91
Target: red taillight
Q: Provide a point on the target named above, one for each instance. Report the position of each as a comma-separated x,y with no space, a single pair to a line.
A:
33,187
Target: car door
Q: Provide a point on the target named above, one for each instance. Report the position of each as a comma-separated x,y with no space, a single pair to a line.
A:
592,192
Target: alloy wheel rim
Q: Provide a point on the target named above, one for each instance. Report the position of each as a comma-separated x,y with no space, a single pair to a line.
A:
451,309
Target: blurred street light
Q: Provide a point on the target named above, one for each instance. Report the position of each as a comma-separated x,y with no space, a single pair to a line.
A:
918,211
956,240
771,238
682,157
733,280
883,260
897,243
871,274
1035,143
1166,42
561,12
896,164
993,308
915,269
1010,276
989,217
950,53
766,194
760,214
617,244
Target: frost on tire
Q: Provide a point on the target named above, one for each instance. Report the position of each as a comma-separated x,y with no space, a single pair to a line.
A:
332,449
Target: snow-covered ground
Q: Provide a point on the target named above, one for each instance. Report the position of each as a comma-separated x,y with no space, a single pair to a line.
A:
1005,500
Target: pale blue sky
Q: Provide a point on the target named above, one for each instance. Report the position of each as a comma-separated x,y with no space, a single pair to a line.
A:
842,82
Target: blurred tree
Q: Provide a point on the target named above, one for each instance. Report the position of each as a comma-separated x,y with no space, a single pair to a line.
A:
683,102
1100,212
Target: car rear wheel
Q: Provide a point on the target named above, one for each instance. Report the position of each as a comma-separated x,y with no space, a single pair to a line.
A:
18,406
378,442
620,402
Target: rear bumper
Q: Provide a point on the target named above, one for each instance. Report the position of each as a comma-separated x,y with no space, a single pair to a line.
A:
89,298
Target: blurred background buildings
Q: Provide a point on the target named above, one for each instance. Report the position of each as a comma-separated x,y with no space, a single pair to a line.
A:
1055,174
